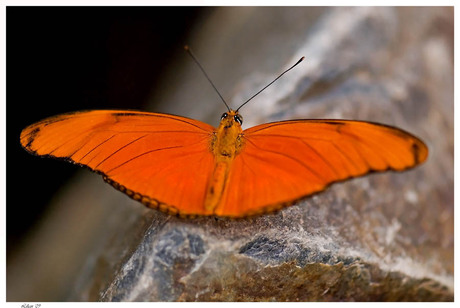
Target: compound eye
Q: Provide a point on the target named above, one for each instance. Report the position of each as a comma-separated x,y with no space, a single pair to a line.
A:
238,119
224,116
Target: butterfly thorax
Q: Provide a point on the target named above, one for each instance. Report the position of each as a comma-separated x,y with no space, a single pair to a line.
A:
227,141
225,145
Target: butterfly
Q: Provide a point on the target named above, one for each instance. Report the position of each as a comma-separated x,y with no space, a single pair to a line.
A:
188,168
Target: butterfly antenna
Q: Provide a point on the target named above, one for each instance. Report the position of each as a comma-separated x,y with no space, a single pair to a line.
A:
301,59
189,51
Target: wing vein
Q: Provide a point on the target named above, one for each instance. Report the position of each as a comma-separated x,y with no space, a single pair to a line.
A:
151,151
351,161
142,154
79,148
290,157
63,144
154,132
374,150
353,144
322,158
248,167
123,147
165,116
288,136
183,121
93,148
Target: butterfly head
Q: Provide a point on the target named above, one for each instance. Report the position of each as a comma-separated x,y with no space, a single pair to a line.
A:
230,118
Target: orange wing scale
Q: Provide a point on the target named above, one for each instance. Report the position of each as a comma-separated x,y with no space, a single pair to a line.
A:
285,161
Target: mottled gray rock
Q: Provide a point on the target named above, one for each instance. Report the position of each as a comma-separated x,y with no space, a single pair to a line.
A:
383,237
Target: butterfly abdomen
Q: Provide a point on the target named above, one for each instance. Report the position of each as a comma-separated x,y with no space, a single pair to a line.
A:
216,185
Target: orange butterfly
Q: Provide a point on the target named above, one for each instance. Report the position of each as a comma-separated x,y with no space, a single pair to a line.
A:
186,167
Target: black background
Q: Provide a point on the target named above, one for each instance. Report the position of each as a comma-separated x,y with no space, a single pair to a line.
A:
62,59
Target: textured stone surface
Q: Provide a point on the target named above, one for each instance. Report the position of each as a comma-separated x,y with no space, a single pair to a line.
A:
383,237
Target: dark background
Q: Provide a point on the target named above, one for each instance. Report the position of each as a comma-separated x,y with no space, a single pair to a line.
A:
62,59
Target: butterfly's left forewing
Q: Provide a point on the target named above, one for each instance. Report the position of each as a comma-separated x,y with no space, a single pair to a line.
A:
284,161
162,160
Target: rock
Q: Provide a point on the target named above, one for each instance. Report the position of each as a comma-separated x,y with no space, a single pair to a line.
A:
383,237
